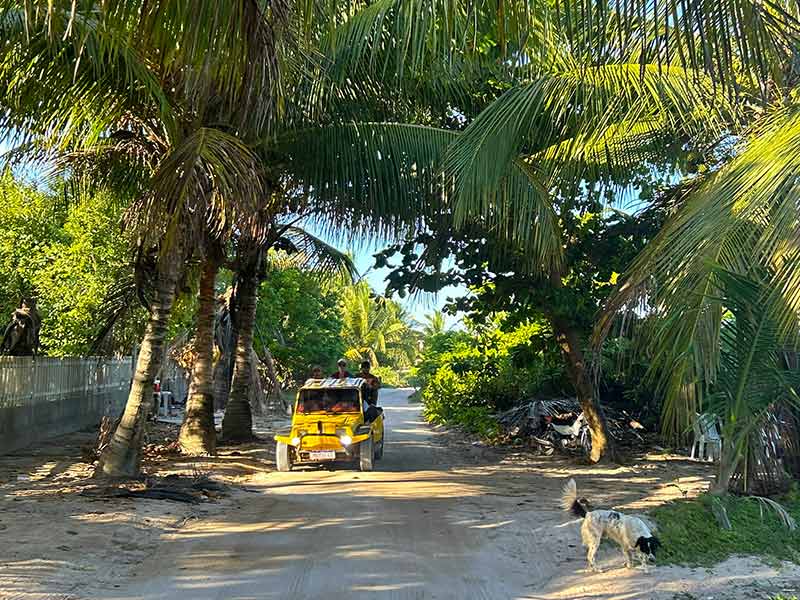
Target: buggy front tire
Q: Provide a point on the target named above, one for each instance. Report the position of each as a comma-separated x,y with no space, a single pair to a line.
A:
366,455
283,458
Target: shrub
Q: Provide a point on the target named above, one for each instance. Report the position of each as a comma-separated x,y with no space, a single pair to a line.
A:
465,378
389,376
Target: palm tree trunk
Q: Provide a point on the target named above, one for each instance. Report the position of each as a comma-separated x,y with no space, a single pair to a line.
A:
122,457
222,381
227,337
237,424
569,341
729,460
198,435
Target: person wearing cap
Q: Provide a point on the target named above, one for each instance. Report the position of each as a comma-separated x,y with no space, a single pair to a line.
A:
341,372
316,373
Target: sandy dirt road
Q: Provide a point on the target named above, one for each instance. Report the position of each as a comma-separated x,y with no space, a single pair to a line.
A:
434,521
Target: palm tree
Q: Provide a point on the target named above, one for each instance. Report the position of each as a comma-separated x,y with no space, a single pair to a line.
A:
157,111
197,434
736,223
152,105
375,328
286,245
434,323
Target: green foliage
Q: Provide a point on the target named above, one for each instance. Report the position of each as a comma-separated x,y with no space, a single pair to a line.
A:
67,252
376,328
465,377
691,536
390,376
299,320
29,221
510,353
82,265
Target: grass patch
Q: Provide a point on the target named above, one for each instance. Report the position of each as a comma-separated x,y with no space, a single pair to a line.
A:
691,535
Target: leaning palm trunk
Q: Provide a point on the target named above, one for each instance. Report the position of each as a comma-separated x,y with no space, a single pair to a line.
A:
122,457
237,424
198,435
729,460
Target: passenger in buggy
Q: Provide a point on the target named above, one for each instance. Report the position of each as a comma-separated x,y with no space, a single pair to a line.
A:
371,387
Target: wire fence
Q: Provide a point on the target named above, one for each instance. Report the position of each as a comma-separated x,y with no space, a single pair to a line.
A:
45,397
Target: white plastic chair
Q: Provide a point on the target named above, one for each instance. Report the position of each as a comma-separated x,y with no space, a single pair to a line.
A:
706,437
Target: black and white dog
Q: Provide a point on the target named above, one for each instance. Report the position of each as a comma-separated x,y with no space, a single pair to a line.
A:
631,533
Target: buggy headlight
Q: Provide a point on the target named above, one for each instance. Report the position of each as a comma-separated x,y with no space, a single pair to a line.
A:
345,439
295,441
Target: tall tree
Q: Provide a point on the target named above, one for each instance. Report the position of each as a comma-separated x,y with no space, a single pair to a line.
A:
128,92
434,323
197,434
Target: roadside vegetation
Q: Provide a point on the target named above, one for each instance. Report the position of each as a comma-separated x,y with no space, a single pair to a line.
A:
692,534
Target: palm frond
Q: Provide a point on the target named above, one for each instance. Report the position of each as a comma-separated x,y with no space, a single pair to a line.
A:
388,177
210,174
787,520
304,250
194,44
73,76
743,217
565,115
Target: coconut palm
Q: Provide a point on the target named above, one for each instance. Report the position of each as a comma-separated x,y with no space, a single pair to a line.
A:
287,245
434,323
735,224
750,379
156,112
157,101
375,328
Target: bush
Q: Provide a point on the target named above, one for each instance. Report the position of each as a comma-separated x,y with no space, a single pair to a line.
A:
390,377
466,378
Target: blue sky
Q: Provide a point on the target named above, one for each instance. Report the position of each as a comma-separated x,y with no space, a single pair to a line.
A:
418,305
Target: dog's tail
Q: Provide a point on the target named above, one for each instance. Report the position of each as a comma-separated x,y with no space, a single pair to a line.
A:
569,499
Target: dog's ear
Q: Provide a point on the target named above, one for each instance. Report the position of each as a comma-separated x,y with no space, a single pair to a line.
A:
655,543
641,543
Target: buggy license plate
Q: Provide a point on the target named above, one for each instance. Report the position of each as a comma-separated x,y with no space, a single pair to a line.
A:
322,455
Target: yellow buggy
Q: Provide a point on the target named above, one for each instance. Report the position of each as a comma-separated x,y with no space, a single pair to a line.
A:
332,422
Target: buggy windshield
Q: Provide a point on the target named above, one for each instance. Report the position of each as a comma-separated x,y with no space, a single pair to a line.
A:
328,401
